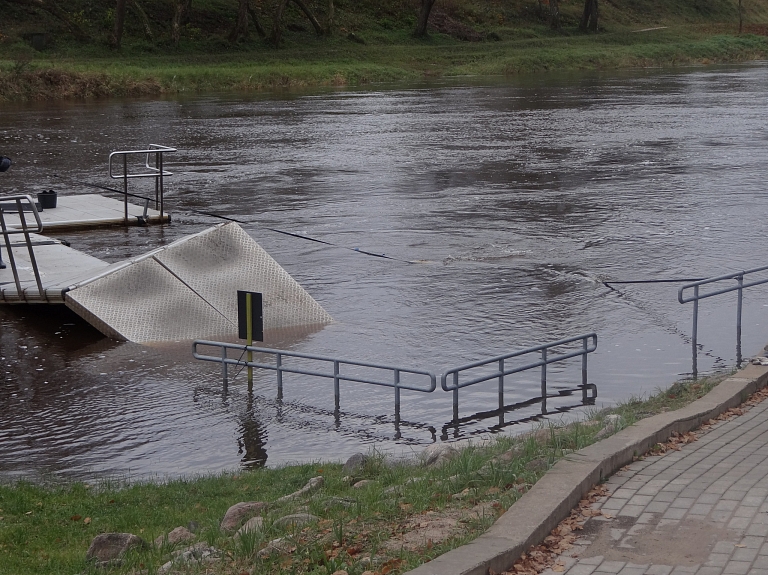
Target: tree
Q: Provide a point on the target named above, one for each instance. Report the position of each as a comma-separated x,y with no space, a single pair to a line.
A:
117,32
143,18
53,8
240,29
741,17
421,23
181,11
554,14
589,18
277,23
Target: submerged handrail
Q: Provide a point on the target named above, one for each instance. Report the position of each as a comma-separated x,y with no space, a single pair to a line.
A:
696,296
589,345
279,367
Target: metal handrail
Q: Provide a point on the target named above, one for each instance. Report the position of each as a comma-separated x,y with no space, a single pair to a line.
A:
502,371
157,171
336,375
7,232
740,287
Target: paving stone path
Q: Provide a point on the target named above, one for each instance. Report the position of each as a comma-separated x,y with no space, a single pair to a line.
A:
702,510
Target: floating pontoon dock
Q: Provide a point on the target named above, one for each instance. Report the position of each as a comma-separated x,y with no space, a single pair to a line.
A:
185,290
79,212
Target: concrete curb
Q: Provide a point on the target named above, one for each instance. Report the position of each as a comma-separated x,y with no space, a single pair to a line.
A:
551,499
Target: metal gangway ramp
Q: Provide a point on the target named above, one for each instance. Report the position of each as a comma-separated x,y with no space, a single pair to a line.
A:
182,291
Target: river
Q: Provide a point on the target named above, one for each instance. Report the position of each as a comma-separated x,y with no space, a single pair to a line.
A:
517,197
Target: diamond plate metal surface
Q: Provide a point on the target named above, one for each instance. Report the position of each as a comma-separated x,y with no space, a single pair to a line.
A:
219,261
143,302
189,290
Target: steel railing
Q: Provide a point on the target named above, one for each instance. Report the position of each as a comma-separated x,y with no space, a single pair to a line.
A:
157,172
336,375
25,229
588,345
697,295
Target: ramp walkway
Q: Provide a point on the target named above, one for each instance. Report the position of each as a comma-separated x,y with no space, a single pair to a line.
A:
185,290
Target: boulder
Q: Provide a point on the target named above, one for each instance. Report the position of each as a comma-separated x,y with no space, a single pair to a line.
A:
201,553
239,512
538,465
363,483
296,520
253,524
178,535
312,485
355,464
110,547
275,546
437,454
339,502
611,425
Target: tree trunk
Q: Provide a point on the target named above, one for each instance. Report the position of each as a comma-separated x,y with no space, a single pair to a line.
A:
554,14
589,18
277,24
329,23
741,17
117,32
315,24
255,19
144,20
241,24
51,7
180,17
421,23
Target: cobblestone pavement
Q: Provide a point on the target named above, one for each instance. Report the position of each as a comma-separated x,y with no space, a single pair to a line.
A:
701,510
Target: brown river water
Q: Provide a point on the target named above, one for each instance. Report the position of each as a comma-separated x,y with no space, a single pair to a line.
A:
518,197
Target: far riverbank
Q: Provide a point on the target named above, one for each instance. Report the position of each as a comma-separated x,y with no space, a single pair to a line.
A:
342,62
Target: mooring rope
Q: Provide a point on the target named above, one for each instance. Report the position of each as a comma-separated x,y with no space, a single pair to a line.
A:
252,222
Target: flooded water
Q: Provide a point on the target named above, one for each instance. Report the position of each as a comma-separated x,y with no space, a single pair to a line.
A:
518,198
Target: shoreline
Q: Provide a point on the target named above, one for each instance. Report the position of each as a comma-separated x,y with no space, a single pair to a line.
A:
53,79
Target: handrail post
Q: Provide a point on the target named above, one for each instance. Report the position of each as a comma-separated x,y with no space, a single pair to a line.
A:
157,181
694,343
28,241
501,391
279,359
584,372
456,397
544,381
336,393
397,400
740,279
224,367
161,187
125,187
11,259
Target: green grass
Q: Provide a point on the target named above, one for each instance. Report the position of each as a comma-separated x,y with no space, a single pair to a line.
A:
46,529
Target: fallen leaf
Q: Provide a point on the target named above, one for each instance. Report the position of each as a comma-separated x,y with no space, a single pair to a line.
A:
87,520
76,517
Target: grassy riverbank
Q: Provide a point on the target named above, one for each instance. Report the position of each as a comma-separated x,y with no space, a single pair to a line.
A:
370,42
404,514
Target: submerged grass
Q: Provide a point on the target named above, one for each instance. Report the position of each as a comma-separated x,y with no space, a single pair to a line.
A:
406,515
